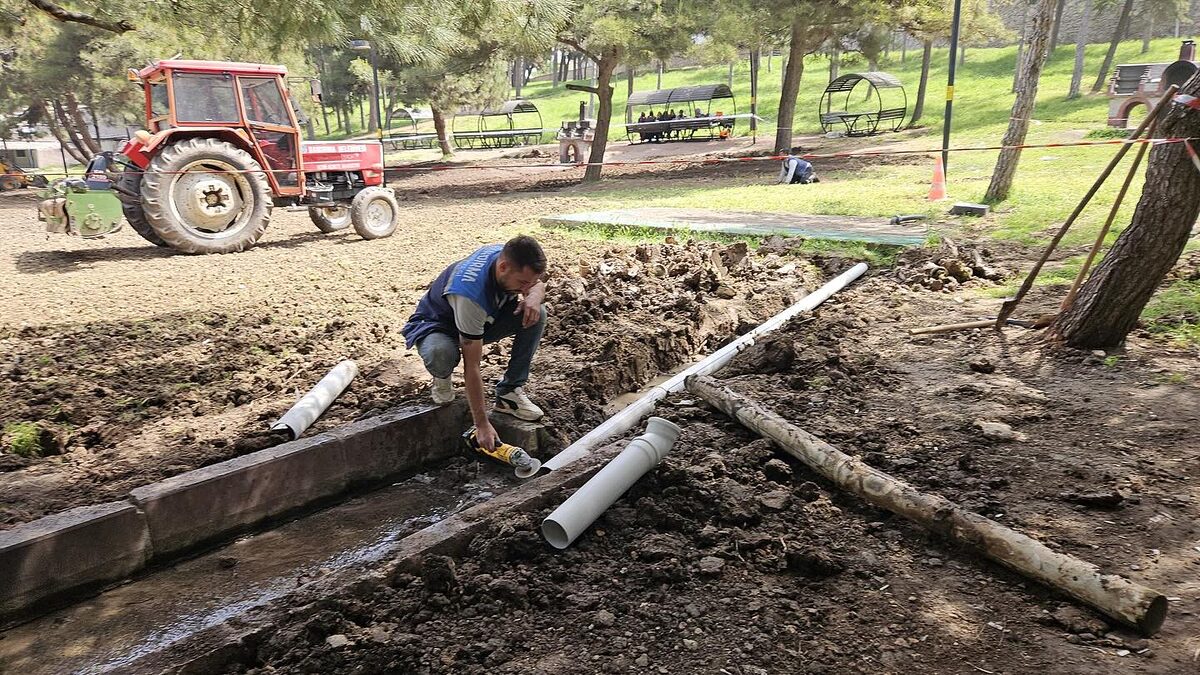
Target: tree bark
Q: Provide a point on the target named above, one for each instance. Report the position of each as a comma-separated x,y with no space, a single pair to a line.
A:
1021,47
76,147
1148,35
791,88
1018,123
1058,12
90,144
67,16
1122,26
1081,39
923,85
629,75
835,62
439,125
605,67
57,130
1111,300
1126,601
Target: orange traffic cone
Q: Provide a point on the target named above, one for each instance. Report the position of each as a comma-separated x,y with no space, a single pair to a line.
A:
937,191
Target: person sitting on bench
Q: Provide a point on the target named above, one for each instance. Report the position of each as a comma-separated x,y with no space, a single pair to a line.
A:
796,170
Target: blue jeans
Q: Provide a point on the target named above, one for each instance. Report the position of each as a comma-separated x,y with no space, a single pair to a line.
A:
441,353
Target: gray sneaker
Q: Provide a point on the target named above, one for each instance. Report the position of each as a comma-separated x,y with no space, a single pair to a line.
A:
517,404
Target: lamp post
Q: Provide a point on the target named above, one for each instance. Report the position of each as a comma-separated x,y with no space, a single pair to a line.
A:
954,26
369,48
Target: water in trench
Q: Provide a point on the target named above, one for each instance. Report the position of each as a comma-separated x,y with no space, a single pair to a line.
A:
107,632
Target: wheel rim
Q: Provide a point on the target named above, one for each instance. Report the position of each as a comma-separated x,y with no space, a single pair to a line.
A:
210,199
338,216
379,215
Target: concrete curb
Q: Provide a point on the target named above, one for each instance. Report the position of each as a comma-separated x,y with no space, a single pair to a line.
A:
77,551
233,642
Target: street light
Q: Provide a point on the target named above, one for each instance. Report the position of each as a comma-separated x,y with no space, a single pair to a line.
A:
369,48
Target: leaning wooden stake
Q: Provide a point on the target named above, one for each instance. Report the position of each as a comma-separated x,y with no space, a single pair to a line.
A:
1010,305
1126,601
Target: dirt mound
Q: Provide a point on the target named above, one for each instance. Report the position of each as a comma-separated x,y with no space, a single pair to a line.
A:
947,269
621,319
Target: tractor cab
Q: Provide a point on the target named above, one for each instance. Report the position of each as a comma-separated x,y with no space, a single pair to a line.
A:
247,99
220,149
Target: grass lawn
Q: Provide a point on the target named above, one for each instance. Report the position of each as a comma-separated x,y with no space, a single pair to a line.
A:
1048,185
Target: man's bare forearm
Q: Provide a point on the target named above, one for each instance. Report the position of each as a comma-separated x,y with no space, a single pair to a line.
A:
472,351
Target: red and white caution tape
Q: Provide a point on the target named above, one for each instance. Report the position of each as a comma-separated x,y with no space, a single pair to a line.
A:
724,160
1192,153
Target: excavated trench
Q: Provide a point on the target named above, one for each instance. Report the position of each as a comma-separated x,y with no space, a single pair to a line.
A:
112,630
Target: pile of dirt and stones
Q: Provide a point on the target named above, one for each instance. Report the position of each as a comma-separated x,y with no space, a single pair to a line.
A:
948,268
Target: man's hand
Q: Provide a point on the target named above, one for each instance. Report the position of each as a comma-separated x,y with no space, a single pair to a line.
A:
486,435
530,307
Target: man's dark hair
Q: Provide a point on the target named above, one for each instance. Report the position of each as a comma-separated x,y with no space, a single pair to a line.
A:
524,251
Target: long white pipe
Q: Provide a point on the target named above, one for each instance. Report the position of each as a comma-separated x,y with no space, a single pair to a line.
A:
632,415
313,404
582,509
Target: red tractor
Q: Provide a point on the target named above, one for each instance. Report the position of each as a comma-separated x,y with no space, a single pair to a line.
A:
222,147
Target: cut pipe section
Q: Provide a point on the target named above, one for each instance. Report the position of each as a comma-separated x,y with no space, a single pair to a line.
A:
633,414
318,399
582,509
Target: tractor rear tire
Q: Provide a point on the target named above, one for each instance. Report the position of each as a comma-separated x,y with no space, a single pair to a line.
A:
131,181
330,220
375,212
203,195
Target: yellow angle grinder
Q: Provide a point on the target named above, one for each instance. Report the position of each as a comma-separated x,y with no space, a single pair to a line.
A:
524,465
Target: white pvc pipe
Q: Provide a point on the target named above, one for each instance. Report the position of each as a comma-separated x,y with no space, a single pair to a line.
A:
582,509
632,415
313,404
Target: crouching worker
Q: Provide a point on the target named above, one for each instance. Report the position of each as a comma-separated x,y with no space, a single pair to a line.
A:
493,293
796,170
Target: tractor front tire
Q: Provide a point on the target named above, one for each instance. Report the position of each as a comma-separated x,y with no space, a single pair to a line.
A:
375,212
203,195
330,220
131,182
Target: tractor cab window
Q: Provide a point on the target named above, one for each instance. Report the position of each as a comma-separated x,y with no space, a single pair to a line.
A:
263,102
205,98
160,106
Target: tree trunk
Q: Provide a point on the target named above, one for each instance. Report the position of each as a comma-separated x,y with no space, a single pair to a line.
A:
1110,301
1148,35
1122,26
362,120
76,148
629,75
52,122
518,76
1018,123
1081,39
923,85
439,126
81,125
325,118
835,62
903,47
608,63
962,56
554,68
660,72
791,88
1058,12
1021,47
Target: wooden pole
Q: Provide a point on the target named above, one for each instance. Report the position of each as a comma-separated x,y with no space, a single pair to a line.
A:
1112,214
1009,306
1124,600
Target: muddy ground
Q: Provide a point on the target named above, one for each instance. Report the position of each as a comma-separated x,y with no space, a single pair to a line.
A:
732,557
136,364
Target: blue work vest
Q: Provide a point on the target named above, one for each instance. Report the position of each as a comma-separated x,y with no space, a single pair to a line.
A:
474,278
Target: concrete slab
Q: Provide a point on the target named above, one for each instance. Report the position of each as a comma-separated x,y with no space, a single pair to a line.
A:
517,432
750,223
85,547
216,501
